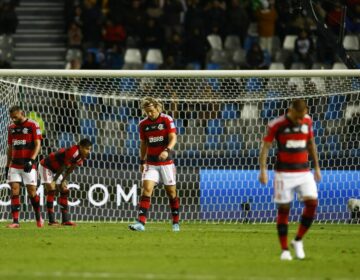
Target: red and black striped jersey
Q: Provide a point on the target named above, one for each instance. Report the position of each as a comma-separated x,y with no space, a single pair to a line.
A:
156,135
65,156
21,138
292,140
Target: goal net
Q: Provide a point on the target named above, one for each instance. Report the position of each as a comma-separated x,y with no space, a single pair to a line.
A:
221,117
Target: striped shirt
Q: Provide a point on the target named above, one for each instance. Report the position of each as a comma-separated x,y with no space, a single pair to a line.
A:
21,137
292,141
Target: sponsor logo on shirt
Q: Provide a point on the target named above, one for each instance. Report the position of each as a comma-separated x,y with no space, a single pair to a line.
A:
294,144
156,139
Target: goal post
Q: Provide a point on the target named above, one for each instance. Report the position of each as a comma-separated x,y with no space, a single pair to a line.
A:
221,117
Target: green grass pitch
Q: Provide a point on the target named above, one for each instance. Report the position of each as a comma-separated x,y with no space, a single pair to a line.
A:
198,252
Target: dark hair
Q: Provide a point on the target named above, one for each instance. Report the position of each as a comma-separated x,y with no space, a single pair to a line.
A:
85,143
14,109
299,105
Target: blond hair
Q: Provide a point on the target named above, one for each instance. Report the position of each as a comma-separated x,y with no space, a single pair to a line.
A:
150,101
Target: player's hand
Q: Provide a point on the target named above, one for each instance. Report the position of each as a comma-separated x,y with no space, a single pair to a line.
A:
6,172
317,175
63,185
164,155
53,185
28,165
263,178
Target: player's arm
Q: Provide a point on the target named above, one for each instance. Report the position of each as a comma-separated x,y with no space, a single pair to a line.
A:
68,171
264,152
313,154
36,150
172,142
143,149
8,160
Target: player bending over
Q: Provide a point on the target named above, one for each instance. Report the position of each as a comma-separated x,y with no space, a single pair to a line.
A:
24,141
54,169
293,133
157,139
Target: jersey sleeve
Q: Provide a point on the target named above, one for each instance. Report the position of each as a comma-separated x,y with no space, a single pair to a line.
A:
9,136
170,124
141,132
70,156
37,132
270,135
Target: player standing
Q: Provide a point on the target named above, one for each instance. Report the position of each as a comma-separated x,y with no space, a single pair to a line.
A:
54,169
295,139
24,142
157,139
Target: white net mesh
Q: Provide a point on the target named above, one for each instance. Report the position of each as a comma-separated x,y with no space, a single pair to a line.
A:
221,118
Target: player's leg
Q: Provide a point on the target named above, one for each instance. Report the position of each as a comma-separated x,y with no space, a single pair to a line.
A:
14,180
308,193
168,176
150,178
283,195
64,205
47,177
30,180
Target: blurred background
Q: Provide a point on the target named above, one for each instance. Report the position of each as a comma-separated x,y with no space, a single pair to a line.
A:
174,34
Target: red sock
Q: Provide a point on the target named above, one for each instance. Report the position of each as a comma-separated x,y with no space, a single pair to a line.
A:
35,202
307,218
174,205
144,205
63,202
15,208
50,205
282,226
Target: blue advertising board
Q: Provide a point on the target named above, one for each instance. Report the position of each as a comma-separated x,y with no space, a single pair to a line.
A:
238,195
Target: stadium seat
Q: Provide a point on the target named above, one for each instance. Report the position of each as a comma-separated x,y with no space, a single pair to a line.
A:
277,66
254,84
215,127
132,56
289,42
239,57
151,66
179,124
335,107
351,42
132,125
318,65
66,139
212,66
232,42
88,127
215,41
298,82
339,65
250,111
88,99
297,66
230,111
154,56
319,83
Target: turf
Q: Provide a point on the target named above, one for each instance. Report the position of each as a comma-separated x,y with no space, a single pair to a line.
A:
199,252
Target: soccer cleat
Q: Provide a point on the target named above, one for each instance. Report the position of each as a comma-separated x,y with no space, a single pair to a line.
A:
53,224
137,226
40,223
68,223
299,249
13,225
175,227
286,256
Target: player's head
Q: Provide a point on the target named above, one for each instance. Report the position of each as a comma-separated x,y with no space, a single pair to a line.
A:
298,110
85,147
17,114
151,107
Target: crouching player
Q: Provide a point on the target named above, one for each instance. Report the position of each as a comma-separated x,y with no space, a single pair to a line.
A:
157,139
54,169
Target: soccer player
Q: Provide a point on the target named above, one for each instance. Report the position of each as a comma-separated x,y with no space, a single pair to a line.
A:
54,169
157,140
293,133
24,142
